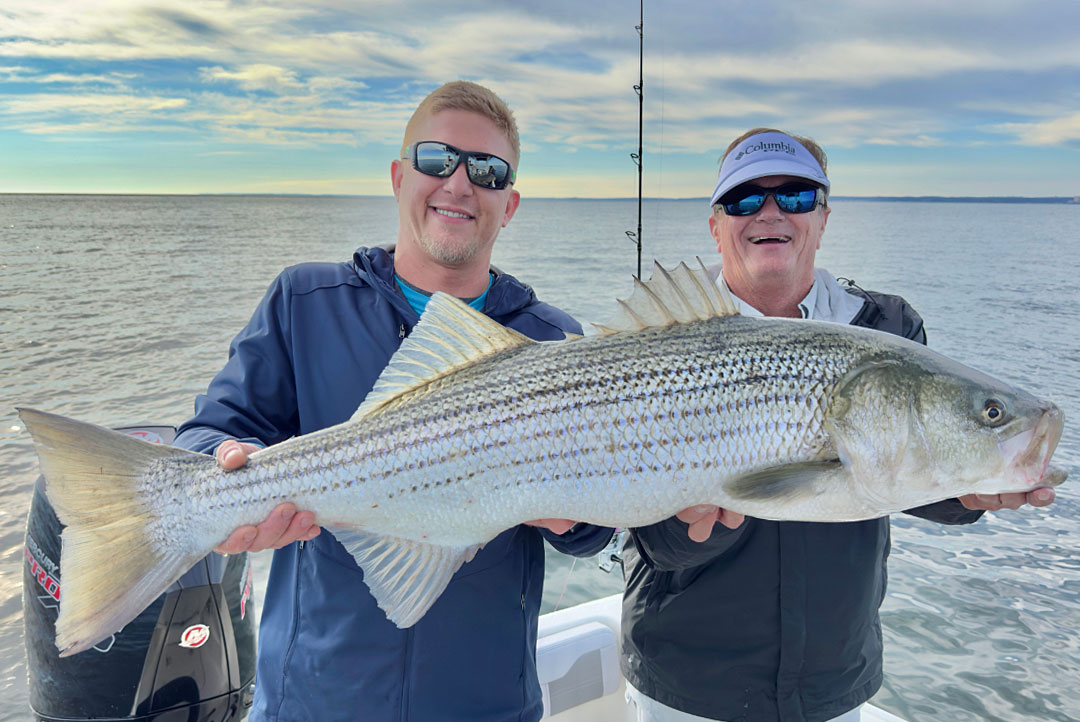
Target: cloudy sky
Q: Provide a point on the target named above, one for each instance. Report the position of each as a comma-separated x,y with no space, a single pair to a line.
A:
944,97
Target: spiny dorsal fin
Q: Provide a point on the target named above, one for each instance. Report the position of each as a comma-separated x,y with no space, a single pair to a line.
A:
681,295
449,335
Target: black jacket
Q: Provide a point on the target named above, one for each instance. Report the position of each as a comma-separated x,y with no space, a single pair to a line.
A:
773,621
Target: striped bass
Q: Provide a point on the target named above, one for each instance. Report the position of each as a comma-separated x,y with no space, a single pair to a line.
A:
473,428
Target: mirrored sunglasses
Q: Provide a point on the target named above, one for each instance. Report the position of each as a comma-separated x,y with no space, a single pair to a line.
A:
747,199
442,159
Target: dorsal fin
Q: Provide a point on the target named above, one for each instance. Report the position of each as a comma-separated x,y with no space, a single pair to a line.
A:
681,295
449,335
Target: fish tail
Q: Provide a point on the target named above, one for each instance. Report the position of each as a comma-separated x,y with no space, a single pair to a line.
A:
111,566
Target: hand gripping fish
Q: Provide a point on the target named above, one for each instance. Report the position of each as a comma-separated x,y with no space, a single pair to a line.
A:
473,428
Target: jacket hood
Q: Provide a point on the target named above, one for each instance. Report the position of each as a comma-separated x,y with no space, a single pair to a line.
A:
375,266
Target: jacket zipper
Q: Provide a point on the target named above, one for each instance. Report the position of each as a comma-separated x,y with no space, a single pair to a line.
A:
296,623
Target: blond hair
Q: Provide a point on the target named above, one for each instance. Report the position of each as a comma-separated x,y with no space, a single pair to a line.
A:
473,98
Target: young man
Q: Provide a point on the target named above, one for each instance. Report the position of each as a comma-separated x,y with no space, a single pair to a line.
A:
755,620
311,352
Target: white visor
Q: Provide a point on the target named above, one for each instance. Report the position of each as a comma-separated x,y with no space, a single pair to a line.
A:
767,154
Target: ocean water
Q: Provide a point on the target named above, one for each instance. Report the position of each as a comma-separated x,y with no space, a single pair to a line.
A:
118,310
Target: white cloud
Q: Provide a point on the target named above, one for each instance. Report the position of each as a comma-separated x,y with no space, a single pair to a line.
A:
293,120
349,72
1056,131
857,62
908,140
282,81
276,136
254,77
103,104
23,74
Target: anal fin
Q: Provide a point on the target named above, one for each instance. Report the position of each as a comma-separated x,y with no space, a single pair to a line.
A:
406,577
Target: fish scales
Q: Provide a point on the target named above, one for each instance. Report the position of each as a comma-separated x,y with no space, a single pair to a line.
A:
553,430
473,428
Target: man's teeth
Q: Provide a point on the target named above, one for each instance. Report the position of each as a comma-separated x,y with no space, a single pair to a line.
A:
766,239
451,214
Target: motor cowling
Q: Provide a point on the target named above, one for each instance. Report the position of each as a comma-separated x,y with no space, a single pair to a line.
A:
190,656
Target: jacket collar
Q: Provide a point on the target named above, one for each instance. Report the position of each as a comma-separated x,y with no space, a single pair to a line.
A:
826,301
375,266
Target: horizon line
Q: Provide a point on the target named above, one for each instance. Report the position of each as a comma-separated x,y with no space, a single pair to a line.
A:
703,199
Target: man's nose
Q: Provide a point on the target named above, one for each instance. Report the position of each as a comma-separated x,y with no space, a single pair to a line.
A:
458,182
769,209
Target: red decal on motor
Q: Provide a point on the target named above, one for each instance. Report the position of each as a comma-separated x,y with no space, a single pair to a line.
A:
52,588
49,583
195,636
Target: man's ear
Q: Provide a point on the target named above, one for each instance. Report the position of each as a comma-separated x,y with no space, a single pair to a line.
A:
511,207
824,219
397,172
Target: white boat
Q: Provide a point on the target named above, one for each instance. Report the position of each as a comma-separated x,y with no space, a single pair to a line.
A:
577,660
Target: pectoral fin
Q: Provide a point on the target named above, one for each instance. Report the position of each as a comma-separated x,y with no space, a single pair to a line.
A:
404,576
788,482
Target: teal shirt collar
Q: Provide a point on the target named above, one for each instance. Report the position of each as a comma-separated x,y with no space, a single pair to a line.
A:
418,298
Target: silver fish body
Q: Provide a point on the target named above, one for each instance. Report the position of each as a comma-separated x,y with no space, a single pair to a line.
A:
472,431
619,430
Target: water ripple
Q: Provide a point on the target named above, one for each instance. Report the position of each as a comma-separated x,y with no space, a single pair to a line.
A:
121,309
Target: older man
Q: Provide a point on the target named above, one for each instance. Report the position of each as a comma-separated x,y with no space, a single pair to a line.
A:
755,620
311,352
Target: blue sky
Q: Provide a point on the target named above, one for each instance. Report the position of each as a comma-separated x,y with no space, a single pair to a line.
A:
955,97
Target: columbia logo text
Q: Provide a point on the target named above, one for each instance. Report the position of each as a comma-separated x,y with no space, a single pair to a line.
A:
764,147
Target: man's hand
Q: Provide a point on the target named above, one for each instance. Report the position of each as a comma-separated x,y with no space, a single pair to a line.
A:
702,517
284,525
1014,500
559,526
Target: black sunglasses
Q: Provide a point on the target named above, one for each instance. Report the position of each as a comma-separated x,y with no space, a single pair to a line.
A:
437,159
790,197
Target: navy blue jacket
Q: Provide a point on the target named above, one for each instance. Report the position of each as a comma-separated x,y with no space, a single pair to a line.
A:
311,352
772,621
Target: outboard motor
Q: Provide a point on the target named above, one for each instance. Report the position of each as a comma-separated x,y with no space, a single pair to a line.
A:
189,657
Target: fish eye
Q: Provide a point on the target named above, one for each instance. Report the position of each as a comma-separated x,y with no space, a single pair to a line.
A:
993,412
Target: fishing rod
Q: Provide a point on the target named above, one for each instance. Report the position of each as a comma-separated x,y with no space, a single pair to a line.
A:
640,27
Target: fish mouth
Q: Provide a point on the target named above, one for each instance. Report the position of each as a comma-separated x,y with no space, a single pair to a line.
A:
1028,453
